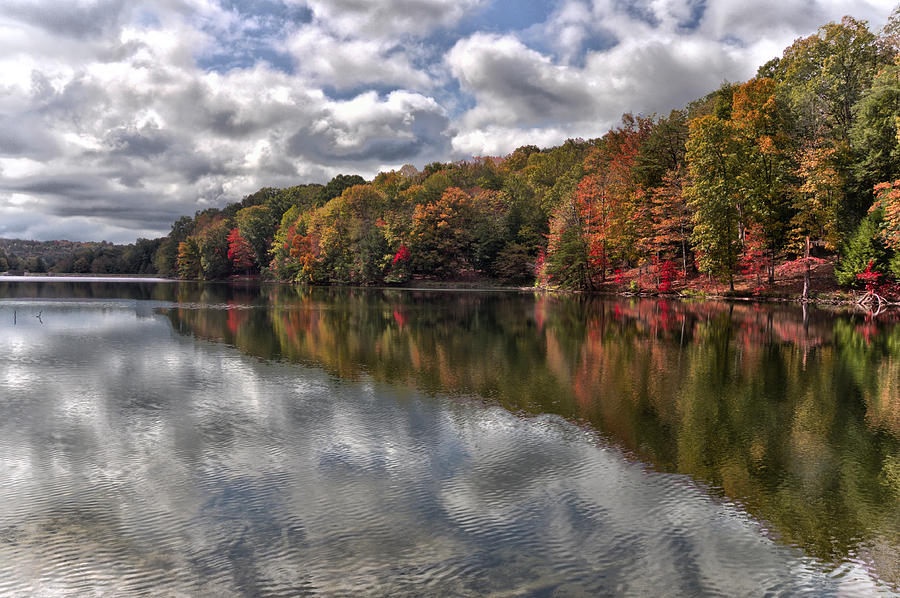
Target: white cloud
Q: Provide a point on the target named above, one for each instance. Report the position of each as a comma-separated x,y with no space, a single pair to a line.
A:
496,141
368,127
514,84
387,18
349,63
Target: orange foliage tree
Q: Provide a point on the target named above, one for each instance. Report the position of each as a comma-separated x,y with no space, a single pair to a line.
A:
670,218
761,123
440,235
611,203
887,198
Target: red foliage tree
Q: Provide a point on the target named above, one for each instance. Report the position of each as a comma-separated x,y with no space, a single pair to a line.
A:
668,273
595,206
870,278
402,255
670,225
754,257
239,251
610,202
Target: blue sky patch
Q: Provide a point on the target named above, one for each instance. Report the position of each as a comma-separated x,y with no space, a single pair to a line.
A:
503,16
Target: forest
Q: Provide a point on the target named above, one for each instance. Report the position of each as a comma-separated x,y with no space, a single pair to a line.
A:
78,257
800,165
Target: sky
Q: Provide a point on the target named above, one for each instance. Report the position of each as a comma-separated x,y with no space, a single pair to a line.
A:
117,117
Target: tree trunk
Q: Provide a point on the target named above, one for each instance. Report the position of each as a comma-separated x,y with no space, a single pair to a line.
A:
603,266
805,296
657,269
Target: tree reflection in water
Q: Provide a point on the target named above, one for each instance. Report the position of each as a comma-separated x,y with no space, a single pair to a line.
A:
793,413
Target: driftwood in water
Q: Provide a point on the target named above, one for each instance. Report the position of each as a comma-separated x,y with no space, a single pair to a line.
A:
875,303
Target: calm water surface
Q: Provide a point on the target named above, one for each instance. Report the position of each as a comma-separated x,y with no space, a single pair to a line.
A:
164,439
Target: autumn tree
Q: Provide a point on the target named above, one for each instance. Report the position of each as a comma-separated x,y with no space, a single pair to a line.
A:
390,184
754,259
663,151
713,193
826,74
823,77
306,251
281,264
343,241
212,243
889,37
874,132
610,200
257,226
440,237
188,259
659,170
239,251
167,254
672,218
887,202
761,126
433,187
362,207
545,167
567,262
816,203
518,159
597,206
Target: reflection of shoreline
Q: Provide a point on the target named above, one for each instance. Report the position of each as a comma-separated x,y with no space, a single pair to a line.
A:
839,306
794,418
180,468
764,402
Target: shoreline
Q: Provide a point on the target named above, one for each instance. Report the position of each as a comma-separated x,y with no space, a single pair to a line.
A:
82,278
839,298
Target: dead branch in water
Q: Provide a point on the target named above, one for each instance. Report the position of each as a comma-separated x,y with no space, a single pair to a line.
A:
875,303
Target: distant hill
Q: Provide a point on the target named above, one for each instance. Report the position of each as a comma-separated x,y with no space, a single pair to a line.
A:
82,257
48,250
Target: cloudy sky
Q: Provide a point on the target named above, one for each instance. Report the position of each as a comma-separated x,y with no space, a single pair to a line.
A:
118,116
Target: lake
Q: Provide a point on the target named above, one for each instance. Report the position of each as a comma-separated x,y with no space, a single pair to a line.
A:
186,439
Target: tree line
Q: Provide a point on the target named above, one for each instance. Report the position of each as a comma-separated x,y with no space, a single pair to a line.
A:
58,257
